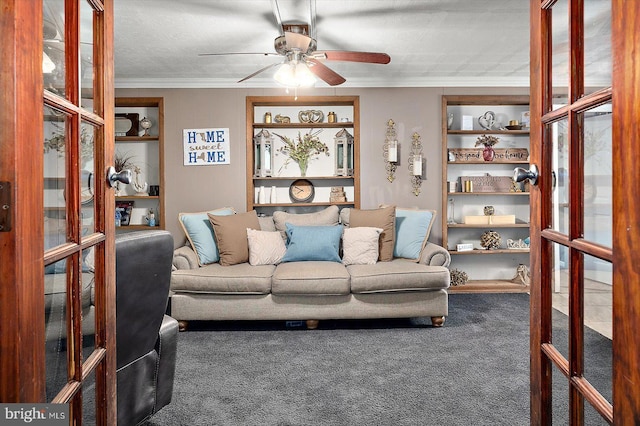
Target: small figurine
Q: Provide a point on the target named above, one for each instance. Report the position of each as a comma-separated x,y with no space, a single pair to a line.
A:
283,119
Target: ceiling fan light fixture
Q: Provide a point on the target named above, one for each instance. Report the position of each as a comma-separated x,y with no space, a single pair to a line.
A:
295,74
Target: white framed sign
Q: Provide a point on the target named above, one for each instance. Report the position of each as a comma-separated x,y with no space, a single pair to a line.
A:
206,147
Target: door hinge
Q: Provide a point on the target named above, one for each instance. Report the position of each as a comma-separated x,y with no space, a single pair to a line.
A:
5,206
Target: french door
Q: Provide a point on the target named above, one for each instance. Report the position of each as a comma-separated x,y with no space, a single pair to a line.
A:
57,310
585,111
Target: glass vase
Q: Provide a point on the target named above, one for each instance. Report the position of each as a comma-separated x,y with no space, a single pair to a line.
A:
303,164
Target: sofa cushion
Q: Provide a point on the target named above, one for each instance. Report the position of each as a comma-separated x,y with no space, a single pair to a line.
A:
265,247
397,275
199,232
360,245
313,243
310,278
412,232
217,279
231,236
266,223
378,218
326,217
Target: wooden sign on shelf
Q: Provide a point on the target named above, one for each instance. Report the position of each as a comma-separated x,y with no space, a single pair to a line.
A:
488,183
471,155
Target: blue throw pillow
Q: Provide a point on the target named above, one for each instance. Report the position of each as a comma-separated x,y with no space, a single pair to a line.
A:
199,232
313,243
412,231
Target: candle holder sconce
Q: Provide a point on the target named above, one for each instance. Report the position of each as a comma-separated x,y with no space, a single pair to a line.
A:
391,151
416,164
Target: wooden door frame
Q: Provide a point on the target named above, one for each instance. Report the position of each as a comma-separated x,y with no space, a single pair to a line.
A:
626,236
22,326
626,206
21,282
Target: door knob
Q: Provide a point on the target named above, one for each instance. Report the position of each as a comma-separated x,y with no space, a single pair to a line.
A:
520,174
123,176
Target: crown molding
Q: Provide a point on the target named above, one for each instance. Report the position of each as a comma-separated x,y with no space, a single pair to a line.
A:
219,83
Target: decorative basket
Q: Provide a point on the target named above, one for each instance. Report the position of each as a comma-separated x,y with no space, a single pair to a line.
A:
490,240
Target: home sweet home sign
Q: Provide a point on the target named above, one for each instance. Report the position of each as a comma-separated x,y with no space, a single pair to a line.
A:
206,147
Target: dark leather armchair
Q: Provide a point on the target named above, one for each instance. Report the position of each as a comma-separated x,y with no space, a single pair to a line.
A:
146,337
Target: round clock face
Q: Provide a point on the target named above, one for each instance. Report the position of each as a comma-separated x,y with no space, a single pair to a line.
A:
301,191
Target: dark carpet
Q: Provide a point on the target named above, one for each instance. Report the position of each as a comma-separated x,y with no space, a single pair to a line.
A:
472,371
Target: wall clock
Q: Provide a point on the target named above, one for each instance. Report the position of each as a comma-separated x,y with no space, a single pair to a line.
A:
301,191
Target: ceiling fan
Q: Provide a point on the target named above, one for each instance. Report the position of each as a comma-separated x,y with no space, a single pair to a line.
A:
297,44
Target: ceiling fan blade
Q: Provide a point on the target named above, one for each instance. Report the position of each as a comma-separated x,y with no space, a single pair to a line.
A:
331,77
297,41
346,56
238,53
259,71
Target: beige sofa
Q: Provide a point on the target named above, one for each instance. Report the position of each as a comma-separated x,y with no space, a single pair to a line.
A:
310,290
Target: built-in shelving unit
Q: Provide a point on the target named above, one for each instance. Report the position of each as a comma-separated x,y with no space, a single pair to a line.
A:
146,152
488,270
321,173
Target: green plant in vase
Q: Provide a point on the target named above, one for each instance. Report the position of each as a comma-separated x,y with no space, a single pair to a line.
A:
304,149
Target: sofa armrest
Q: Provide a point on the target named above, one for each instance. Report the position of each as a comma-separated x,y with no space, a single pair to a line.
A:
435,255
185,258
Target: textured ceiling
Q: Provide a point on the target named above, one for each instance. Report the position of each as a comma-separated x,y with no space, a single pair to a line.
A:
431,42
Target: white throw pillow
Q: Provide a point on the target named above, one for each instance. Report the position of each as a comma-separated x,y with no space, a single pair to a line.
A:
360,245
265,247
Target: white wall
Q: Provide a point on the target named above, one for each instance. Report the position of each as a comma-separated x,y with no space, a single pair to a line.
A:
200,188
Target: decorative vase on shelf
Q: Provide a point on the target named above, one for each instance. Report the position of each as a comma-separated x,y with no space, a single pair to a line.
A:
273,195
488,154
303,164
261,195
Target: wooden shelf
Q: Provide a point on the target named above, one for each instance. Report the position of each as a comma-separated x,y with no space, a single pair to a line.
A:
338,125
488,132
285,178
153,147
150,138
490,252
464,163
487,193
490,286
137,227
484,271
319,204
137,197
346,106
489,225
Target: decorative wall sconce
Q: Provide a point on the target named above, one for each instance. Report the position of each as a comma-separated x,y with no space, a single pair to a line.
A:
390,150
344,153
263,154
416,164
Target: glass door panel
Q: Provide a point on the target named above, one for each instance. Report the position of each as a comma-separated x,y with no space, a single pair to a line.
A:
87,177
560,176
598,324
560,52
55,302
560,299
597,45
54,49
597,195
86,56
